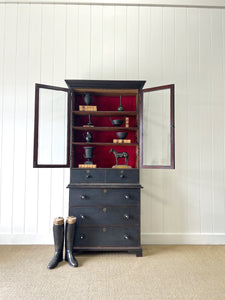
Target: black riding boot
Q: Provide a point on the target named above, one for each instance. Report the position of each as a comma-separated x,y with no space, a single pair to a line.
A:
69,238
58,233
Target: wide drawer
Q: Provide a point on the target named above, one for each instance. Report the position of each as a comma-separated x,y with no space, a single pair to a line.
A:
87,176
122,176
106,215
98,196
107,236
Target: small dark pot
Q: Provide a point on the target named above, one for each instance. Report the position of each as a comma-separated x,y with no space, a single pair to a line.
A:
122,135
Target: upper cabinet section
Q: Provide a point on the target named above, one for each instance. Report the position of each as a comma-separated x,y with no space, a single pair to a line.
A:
104,124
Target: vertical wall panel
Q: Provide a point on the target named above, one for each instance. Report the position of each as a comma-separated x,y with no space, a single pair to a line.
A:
181,115
144,67
172,202
108,42
132,43
58,185
34,71
83,43
193,150
72,36
205,99
2,54
21,69
96,60
120,41
217,106
8,118
185,46
47,75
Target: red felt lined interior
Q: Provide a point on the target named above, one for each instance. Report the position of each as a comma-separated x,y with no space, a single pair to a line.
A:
102,158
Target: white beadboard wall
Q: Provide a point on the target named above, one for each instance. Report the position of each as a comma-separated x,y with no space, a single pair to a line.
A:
48,43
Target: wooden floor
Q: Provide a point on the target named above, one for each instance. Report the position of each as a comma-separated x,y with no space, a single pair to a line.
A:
164,272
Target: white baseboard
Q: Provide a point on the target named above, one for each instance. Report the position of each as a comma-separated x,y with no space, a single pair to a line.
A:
146,238
25,239
183,238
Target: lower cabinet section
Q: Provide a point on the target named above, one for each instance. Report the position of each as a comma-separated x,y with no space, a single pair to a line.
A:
106,204
107,236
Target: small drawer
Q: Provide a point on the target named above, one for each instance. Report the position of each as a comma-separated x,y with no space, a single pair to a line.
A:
122,176
106,236
85,197
106,215
87,176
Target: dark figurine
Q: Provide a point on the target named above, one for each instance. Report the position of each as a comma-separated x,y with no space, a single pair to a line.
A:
120,155
88,137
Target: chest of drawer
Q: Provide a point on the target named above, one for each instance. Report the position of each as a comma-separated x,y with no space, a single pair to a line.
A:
106,215
122,176
87,176
101,196
107,236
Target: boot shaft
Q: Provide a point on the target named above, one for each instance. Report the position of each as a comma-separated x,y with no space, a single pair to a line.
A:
58,233
70,232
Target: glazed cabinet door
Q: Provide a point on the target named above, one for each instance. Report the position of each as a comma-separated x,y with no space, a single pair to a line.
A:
52,127
157,128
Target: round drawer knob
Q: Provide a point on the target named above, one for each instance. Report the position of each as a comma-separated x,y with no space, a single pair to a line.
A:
82,217
126,216
83,197
126,237
127,197
82,236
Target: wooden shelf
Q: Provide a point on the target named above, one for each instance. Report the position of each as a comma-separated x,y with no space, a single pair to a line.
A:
103,144
104,128
104,113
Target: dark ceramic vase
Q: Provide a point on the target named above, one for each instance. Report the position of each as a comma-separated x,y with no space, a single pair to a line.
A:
88,155
88,99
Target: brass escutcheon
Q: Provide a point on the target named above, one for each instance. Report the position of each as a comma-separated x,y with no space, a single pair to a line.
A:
87,171
104,209
105,191
121,171
104,229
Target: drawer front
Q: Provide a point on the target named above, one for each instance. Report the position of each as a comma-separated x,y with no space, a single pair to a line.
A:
106,215
92,197
87,176
107,236
122,176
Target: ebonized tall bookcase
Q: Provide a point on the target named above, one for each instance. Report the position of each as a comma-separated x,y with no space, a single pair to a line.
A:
105,199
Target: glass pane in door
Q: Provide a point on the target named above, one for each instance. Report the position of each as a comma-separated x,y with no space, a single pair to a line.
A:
52,127
157,124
